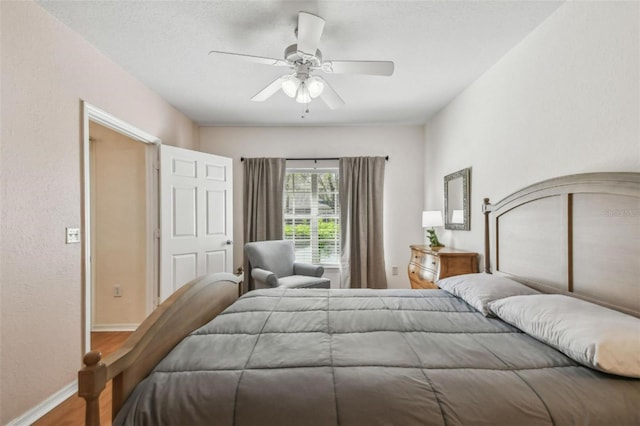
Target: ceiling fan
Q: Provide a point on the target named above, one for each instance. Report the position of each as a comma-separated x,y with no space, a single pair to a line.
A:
304,59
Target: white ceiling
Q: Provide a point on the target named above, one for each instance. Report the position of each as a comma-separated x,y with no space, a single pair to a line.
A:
439,48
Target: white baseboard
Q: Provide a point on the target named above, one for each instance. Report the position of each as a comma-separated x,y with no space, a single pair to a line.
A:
45,406
114,327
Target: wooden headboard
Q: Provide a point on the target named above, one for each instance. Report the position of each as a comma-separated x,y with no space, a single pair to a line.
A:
577,234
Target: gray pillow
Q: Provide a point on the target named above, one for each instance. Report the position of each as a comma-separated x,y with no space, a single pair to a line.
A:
590,334
480,289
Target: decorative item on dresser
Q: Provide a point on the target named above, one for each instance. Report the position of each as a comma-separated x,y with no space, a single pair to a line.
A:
431,219
428,265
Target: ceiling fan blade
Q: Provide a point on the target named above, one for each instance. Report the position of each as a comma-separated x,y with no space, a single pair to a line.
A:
270,90
358,67
310,29
329,96
251,58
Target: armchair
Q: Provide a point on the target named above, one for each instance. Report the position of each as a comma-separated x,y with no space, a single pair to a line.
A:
273,265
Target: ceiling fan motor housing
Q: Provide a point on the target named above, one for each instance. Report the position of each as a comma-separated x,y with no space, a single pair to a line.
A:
292,55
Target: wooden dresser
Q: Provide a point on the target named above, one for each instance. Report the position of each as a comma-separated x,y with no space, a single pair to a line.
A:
427,265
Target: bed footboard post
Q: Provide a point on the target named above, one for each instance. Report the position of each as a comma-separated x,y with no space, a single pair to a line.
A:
92,379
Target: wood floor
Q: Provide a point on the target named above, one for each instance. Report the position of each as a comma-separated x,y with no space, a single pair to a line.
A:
71,411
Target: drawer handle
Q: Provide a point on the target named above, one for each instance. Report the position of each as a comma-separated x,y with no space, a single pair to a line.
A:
433,263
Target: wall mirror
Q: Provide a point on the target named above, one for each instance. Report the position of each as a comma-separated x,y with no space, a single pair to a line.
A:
456,200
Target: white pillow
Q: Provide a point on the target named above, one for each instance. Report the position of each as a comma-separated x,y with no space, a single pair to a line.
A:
480,289
590,334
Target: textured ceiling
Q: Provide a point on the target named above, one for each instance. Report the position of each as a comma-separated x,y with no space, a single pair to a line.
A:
439,48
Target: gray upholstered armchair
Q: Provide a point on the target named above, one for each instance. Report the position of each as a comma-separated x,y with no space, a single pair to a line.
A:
273,265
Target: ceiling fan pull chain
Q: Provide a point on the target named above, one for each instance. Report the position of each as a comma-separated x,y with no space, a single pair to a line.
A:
305,112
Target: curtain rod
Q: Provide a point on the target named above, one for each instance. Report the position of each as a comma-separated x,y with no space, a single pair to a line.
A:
316,159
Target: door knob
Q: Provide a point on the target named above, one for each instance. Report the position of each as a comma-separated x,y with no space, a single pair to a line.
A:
229,242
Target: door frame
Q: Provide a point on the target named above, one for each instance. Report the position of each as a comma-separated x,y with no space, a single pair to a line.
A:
95,114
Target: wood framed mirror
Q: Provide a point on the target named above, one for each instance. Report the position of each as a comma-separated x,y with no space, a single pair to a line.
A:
456,200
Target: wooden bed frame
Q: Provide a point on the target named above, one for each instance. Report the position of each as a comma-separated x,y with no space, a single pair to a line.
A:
578,235
190,307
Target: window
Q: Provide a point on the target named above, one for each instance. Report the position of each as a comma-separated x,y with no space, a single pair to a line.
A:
312,214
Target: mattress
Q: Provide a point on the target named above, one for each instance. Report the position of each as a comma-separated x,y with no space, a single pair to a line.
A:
371,357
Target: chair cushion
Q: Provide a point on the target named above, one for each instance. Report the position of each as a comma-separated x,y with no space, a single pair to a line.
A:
276,256
303,281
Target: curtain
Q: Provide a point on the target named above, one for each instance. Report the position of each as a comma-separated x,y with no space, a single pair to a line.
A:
262,204
362,242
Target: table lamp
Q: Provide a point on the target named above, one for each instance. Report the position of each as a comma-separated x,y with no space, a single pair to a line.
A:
430,219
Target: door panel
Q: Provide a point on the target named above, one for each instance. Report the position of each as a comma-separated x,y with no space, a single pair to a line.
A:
184,203
183,167
185,268
216,260
216,172
196,217
216,213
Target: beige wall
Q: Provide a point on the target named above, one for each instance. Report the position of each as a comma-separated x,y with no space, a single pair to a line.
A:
46,70
565,100
403,196
119,228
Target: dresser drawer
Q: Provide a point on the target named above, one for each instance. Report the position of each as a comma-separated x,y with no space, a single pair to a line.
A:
418,257
417,273
427,265
430,262
425,260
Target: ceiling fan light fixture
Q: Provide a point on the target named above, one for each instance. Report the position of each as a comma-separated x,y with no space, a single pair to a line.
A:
303,96
315,86
290,86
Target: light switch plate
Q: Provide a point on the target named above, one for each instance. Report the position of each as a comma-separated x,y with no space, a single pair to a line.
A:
73,235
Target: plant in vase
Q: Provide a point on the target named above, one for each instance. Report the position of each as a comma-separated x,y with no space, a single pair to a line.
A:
433,238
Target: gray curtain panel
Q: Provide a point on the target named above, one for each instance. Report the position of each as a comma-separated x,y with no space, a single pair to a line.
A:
362,242
262,204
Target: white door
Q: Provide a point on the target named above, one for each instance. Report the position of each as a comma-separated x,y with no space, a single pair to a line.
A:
196,219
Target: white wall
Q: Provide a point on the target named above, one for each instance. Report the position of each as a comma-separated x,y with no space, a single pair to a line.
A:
404,190
565,100
46,70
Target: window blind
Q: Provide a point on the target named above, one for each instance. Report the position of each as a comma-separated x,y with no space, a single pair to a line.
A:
312,214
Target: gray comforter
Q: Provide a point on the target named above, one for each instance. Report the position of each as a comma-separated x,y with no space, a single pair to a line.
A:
371,357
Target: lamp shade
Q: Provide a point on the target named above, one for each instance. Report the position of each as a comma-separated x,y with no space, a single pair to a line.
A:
303,96
315,86
290,86
431,218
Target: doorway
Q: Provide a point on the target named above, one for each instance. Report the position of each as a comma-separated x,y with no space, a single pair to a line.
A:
189,233
118,227
120,223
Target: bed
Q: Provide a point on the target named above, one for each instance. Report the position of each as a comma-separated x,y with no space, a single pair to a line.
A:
441,357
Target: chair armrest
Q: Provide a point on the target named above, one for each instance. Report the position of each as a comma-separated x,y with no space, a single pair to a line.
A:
264,276
308,270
